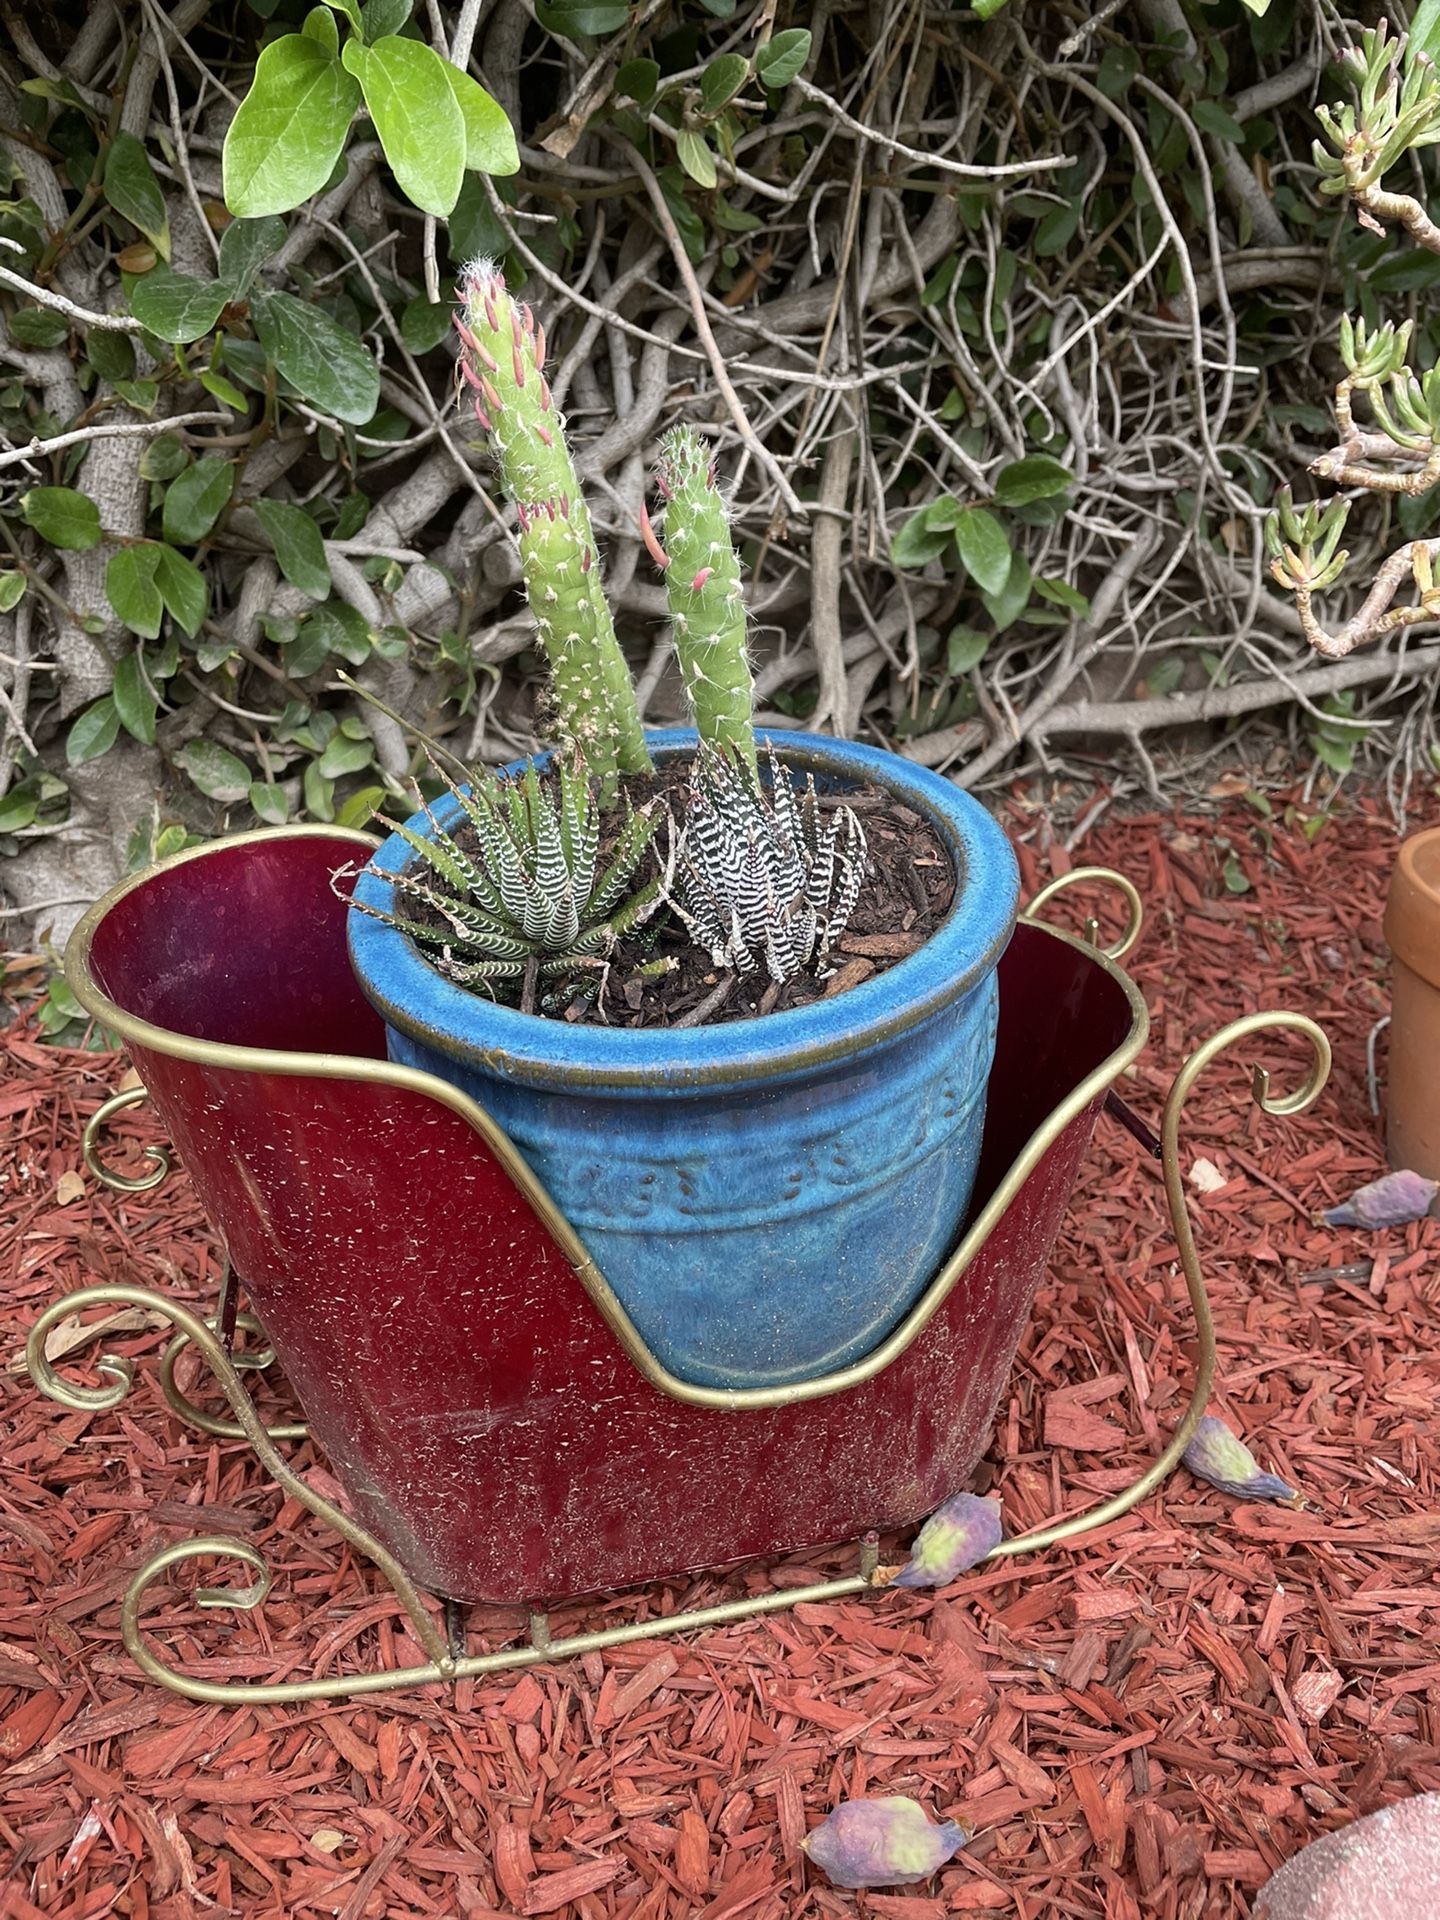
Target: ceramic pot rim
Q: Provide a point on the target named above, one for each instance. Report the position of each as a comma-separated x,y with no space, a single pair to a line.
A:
1412,910
419,1002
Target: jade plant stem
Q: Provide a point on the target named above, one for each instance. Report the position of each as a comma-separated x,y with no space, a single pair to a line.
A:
503,362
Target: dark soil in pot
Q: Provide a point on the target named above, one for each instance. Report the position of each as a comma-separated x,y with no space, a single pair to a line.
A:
907,891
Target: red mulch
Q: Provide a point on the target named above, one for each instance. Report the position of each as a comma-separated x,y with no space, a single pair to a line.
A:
1144,1723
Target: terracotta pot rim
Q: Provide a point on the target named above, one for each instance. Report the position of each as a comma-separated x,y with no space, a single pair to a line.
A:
1412,909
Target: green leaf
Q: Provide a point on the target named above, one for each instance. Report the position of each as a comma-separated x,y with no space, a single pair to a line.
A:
194,502
63,517
93,733
965,648
134,701
344,756
1118,67
1056,230
360,808
639,80
1424,35
986,9
381,17
290,128
141,396
424,324
696,158
132,190
298,546
1036,477
319,26
489,137
183,589
1061,594
722,80
112,355
351,11
163,458
780,60
224,390
246,245
1212,118
319,793
176,306
324,364
984,548
12,590
342,630
1006,604
131,590
269,802
691,227
418,118
581,19
916,543
37,327
216,771
17,810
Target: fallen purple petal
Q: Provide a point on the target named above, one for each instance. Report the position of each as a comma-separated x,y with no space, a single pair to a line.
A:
886,1842
1222,1457
1392,1201
955,1538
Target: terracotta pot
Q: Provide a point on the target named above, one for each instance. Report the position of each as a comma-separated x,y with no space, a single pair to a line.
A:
1412,930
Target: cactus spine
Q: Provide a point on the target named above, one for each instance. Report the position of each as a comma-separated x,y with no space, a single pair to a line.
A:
504,365
702,585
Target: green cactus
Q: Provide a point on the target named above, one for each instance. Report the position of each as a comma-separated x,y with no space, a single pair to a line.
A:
504,364
702,585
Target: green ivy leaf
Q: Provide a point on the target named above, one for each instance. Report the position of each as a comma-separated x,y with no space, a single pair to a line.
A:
581,19
341,630
424,324
194,502
916,543
417,116
319,793
965,648
780,60
134,701
324,364
12,590
1210,117
216,771
381,17
351,11
319,26
246,245
986,9
37,327
1037,477
984,548
183,589
163,458
63,517
489,137
290,128
141,396
176,307
269,802
1061,594
223,389
132,190
94,732
722,80
1006,603
696,158
344,756
17,810
638,80
112,355
131,590
298,546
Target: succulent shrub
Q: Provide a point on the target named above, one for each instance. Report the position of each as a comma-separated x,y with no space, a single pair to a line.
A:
1394,448
529,889
754,875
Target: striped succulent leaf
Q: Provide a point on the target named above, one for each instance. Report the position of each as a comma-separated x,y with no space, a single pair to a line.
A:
755,875
527,890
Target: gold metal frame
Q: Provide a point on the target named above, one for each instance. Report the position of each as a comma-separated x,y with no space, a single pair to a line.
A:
442,1664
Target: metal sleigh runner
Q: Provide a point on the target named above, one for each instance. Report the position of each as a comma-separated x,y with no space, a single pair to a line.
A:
502,1430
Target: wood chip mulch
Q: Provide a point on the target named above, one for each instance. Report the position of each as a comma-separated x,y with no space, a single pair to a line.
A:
1145,1723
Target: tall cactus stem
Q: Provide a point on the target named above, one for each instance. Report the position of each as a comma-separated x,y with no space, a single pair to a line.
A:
503,349
702,585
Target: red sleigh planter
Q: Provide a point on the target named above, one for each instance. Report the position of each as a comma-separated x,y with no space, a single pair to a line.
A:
500,1429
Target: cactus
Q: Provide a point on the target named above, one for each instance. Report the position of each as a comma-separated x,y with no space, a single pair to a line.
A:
753,876
702,585
503,362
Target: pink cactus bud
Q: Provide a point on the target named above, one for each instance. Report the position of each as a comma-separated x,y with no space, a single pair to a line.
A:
492,398
710,474
517,366
468,373
586,560
490,313
545,434
522,514
527,316
539,347
1222,1457
882,1843
664,485
564,506
652,544
701,577
466,335
483,417
545,400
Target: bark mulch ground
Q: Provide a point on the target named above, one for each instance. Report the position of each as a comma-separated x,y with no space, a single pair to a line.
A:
1145,1723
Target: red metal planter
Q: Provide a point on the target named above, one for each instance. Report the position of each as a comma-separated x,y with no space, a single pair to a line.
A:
492,1414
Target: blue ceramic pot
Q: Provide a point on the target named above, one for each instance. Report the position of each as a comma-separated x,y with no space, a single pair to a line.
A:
767,1197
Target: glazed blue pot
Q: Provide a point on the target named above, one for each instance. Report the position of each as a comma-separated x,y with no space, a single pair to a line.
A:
767,1197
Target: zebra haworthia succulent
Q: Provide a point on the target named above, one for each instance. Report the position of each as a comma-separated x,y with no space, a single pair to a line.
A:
755,876
529,886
